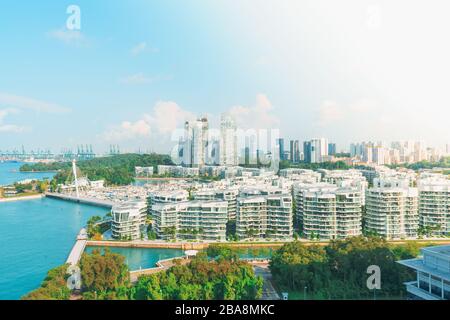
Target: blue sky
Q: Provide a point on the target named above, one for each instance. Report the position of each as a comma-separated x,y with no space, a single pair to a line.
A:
356,70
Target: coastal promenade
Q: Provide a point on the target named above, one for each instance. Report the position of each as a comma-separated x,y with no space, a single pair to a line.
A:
90,201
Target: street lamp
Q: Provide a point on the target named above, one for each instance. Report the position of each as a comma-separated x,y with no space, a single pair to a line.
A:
304,292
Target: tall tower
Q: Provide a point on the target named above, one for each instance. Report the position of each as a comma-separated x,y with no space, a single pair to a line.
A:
199,142
228,141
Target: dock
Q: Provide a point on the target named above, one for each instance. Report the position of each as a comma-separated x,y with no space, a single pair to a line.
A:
90,201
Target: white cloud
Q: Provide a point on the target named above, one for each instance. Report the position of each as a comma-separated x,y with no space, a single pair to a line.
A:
19,102
164,124
69,37
10,128
127,130
142,47
168,116
135,79
139,48
258,116
164,119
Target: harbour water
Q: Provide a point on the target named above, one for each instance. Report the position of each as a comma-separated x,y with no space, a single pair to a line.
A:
142,258
9,173
37,235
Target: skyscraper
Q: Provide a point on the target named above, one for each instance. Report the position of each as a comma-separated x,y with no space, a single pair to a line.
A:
307,151
228,141
194,145
295,151
280,143
332,149
318,149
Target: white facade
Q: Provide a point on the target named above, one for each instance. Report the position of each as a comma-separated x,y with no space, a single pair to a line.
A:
128,220
191,220
264,217
434,204
326,211
319,150
392,212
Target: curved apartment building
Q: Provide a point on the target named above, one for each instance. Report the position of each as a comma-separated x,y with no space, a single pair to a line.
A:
128,220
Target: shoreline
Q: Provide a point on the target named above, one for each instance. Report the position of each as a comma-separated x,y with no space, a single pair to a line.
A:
24,198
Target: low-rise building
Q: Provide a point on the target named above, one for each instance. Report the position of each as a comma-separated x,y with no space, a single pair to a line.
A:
141,172
432,274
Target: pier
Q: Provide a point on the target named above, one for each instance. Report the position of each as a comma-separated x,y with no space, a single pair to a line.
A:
78,248
90,201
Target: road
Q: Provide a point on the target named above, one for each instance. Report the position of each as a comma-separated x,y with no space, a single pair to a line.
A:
269,292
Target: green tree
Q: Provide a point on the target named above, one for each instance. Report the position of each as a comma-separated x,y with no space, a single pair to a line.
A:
105,274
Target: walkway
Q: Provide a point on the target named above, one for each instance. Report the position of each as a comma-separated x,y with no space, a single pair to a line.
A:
78,248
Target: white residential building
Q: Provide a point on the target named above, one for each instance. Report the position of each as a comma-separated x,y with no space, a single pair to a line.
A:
326,211
264,217
434,204
229,195
191,220
128,220
392,212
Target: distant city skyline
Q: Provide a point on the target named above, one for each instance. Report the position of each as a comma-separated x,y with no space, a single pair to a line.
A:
135,71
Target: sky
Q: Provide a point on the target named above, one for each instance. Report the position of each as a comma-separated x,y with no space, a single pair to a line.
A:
351,70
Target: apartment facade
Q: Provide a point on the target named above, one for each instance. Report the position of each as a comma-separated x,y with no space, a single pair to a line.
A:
128,220
264,217
229,195
191,220
392,212
329,212
434,205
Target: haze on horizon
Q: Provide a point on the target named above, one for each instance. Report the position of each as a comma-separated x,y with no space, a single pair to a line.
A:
136,70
